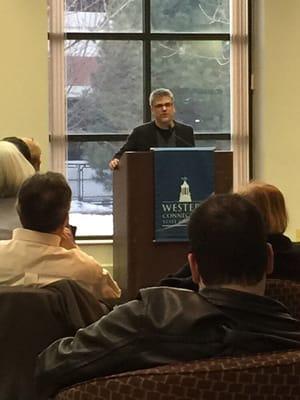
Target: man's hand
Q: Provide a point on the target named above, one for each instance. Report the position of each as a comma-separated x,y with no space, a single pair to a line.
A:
67,239
114,163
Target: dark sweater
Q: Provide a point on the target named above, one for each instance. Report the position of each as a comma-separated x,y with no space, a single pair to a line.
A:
144,137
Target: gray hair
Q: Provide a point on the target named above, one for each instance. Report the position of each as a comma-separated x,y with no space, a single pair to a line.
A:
14,169
160,93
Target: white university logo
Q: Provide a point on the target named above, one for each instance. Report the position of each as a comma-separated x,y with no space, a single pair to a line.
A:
185,193
176,213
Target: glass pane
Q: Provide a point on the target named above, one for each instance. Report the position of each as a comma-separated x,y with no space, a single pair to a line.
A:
199,75
104,86
218,144
103,16
91,183
203,16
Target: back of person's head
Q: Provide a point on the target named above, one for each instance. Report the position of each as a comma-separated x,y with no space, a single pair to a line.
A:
14,169
21,146
228,240
157,93
44,202
270,202
35,152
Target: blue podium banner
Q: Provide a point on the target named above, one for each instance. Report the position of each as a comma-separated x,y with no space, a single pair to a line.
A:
184,178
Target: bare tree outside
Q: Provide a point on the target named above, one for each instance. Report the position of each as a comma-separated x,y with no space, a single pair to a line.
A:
105,77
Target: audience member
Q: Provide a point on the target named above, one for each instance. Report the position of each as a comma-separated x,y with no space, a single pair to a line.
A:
14,169
271,204
230,315
29,148
21,146
35,152
43,251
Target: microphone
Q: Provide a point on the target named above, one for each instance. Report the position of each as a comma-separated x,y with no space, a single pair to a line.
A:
180,139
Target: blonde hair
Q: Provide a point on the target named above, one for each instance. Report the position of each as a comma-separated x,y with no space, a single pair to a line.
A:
35,152
270,202
14,169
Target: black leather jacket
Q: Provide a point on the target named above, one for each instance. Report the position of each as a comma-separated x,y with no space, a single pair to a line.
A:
166,325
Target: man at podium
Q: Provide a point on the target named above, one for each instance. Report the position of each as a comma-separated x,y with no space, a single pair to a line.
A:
163,131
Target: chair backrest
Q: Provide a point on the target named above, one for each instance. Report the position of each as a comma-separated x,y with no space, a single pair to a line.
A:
31,319
272,376
287,292
268,376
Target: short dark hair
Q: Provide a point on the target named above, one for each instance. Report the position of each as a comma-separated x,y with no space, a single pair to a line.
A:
44,202
21,146
228,239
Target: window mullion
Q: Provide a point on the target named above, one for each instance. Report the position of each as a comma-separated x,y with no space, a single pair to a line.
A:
57,107
146,59
240,91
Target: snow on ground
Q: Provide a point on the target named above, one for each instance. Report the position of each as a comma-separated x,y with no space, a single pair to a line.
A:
91,219
92,224
90,208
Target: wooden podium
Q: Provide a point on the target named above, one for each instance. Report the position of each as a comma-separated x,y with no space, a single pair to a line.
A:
138,260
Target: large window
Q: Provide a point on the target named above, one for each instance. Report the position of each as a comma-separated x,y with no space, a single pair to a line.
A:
115,53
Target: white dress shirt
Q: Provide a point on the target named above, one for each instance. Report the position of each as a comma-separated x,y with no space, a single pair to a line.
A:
33,258
9,218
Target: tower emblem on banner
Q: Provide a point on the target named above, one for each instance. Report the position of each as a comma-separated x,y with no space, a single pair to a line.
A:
185,193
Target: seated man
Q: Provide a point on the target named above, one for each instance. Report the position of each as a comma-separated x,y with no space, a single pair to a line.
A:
229,259
43,251
164,131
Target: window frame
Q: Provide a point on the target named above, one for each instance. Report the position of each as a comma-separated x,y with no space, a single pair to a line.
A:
239,83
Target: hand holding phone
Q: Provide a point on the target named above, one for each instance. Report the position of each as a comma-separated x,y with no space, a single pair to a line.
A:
67,239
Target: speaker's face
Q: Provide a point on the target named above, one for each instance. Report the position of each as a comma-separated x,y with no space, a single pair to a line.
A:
163,110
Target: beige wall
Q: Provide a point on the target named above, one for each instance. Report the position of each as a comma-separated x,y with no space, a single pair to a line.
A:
24,83
23,71
276,118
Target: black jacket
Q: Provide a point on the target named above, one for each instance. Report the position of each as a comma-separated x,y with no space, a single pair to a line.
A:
166,325
144,137
286,258
30,320
286,265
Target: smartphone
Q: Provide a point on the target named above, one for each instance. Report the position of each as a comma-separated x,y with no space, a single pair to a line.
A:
73,229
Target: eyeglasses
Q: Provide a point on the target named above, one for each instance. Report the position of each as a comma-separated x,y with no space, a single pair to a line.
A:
163,105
